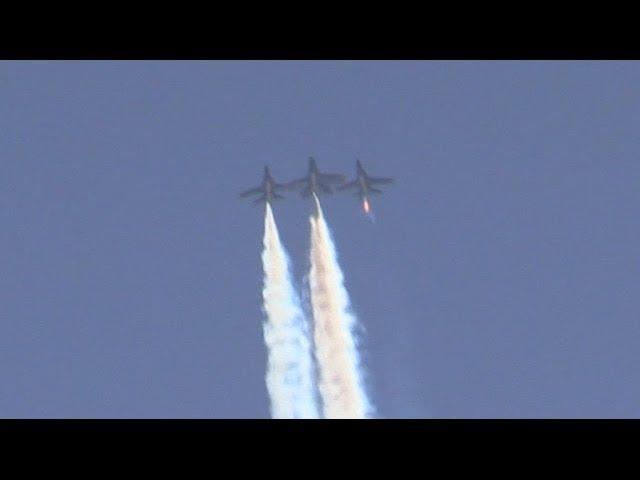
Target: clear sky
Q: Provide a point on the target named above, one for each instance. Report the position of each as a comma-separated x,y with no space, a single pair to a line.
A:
500,279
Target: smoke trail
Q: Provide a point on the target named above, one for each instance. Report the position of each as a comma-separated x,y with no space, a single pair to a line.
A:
289,375
340,380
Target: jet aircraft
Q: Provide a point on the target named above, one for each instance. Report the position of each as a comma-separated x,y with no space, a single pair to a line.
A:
268,190
365,185
316,181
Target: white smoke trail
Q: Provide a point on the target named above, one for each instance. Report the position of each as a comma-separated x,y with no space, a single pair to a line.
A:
340,382
289,375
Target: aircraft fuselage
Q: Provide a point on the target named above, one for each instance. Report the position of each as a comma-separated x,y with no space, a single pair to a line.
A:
362,180
313,181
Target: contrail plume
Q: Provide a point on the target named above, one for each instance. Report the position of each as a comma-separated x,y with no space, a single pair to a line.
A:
289,375
340,372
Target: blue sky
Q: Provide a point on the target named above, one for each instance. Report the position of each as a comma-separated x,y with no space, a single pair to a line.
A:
499,280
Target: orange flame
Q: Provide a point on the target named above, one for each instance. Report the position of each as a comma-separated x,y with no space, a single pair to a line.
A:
365,206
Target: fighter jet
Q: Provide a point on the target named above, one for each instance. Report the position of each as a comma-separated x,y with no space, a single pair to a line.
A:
269,189
364,183
316,182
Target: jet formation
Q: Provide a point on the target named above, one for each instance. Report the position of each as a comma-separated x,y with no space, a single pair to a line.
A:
318,183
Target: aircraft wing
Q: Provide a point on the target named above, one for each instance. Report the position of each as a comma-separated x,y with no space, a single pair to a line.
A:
331,178
347,186
380,180
296,183
251,191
